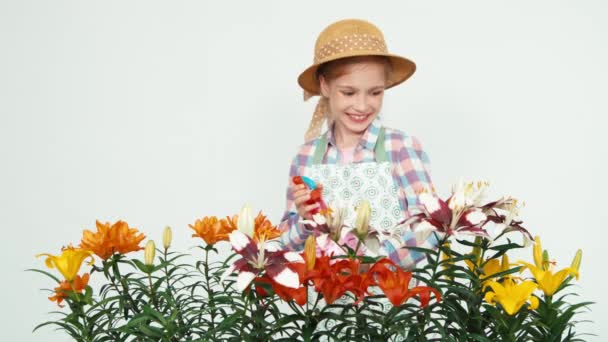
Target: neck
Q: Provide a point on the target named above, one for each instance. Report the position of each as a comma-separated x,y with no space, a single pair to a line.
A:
346,139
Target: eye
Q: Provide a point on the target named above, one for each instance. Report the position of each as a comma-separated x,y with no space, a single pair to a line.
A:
348,93
377,92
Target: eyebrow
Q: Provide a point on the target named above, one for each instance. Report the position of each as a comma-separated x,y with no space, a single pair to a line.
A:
346,87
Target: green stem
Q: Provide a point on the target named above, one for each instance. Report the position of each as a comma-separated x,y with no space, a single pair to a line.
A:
209,292
152,293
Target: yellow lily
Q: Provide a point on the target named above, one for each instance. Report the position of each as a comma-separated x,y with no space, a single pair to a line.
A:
490,268
69,262
512,296
546,280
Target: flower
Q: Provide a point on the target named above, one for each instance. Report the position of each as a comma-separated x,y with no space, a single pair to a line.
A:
459,221
506,223
149,252
542,271
547,281
167,237
467,194
490,268
510,295
263,229
117,238
260,258
78,284
395,284
69,262
213,230
364,211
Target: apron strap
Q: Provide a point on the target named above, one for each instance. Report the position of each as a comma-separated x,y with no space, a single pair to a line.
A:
320,149
379,149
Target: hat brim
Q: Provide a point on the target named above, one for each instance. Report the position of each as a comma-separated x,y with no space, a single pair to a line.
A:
402,69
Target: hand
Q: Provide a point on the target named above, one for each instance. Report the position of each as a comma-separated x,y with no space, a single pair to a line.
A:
301,196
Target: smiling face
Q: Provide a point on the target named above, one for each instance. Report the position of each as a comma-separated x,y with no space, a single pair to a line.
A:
355,94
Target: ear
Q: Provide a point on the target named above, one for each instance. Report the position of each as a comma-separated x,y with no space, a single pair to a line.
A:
323,86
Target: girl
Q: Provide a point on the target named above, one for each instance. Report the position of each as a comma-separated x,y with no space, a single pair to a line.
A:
357,158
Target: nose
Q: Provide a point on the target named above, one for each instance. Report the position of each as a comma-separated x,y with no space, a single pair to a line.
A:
361,103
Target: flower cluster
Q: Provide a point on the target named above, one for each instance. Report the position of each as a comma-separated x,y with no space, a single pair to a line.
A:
341,285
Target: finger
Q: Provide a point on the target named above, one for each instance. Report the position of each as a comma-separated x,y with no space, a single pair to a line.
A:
311,207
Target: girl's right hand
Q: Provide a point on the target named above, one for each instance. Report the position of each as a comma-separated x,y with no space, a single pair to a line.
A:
301,194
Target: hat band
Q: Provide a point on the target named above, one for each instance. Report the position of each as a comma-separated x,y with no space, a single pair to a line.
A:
350,43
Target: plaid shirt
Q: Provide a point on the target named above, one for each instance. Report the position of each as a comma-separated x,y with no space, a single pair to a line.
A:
411,172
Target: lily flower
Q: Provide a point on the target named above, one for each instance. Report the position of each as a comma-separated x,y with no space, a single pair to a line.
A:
110,239
258,258
467,194
438,214
263,230
507,223
511,296
395,282
213,230
490,267
78,284
548,281
69,262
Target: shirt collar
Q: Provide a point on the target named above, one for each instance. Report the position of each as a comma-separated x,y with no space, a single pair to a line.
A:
368,139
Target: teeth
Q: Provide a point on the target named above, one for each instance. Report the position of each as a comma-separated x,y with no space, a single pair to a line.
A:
358,117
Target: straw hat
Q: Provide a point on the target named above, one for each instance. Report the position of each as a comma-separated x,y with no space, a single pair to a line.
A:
348,38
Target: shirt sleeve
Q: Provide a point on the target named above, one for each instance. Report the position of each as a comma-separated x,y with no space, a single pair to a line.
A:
294,233
415,165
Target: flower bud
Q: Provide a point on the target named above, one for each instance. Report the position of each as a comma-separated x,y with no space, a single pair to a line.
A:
245,221
576,262
504,265
310,252
364,212
149,252
167,237
538,252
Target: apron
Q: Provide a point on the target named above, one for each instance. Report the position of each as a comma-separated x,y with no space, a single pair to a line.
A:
348,185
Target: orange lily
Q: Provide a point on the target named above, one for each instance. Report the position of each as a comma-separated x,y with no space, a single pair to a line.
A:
110,239
213,230
264,230
395,284
69,262
77,285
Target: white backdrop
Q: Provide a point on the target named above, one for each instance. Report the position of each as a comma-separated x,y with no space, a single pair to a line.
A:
162,112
